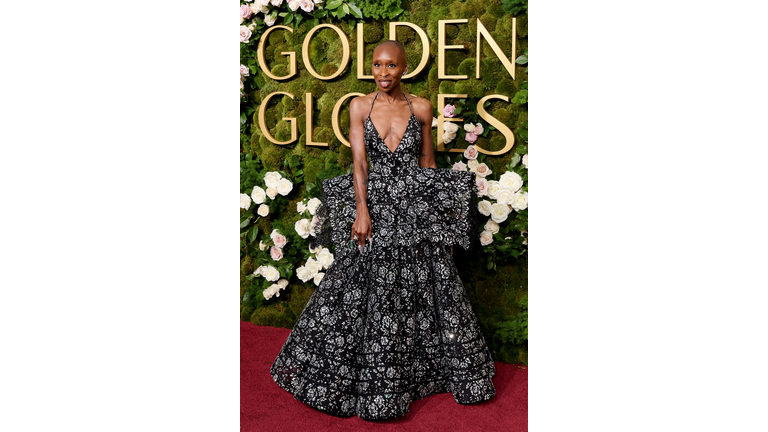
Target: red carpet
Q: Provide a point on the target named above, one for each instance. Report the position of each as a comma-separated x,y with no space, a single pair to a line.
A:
264,406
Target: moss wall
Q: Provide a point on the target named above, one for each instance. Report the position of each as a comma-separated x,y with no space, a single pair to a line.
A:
498,295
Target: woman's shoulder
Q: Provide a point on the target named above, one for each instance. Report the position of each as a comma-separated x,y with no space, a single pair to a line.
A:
361,103
421,107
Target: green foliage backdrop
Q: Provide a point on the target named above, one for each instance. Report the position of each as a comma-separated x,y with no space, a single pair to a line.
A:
498,294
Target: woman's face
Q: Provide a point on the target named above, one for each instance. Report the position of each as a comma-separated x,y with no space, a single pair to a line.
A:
388,67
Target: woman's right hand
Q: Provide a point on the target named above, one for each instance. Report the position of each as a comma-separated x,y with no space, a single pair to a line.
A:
362,228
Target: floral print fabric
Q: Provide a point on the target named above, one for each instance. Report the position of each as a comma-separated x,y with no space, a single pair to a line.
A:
391,323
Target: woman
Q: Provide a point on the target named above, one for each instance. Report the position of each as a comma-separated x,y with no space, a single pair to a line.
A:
390,322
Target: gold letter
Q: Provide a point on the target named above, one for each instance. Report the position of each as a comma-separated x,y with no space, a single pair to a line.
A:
441,119
424,44
497,124
345,55
263,64
335,117
483,32
263,120
360,57
441,47
309,123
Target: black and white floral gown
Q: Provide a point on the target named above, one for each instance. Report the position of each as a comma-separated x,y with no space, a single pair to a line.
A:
391,323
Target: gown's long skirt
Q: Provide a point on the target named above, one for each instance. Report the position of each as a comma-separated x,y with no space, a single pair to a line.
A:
386,326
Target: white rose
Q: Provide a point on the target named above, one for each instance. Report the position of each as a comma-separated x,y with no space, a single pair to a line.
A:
257,7
525,160
313,266
257,272
267,293
304,274
511,180
263,210
245,201
276,2
312,205
241,19
469,127
447,137
484,207
520,201
493,189
318,278
264,2
271,192
300,207
325,258
271,178
282,283
293,5
505,196
492,226
472,165
274,289
261,245
245,34
499,212
302,227
258,195
316,250
434,121
270,273
486,238
269,20
450,127
483,170
284,186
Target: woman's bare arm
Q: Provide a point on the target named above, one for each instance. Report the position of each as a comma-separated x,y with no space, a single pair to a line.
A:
423,110
362,225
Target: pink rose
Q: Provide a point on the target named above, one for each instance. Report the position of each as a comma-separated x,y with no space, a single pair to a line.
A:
471,152
483,170
245,34
276,253
245,11
460,166
244,70
307,5
470,137
278,239
448,111
482,186
478,129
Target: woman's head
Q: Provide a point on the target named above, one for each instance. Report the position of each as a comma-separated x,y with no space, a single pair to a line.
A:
389,65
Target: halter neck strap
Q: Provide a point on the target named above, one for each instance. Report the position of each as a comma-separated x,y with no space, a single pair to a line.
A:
377,94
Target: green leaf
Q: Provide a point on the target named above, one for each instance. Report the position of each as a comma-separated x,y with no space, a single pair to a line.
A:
457,111
523,59
351,23
515,160
333,4
253,233
356,12
345,8
299,17
273,15
288,19
315,22
282,14
245,223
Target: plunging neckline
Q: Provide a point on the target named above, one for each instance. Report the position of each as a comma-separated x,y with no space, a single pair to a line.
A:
373,125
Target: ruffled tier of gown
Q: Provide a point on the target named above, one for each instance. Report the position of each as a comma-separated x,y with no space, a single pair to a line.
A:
406,207
386,326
